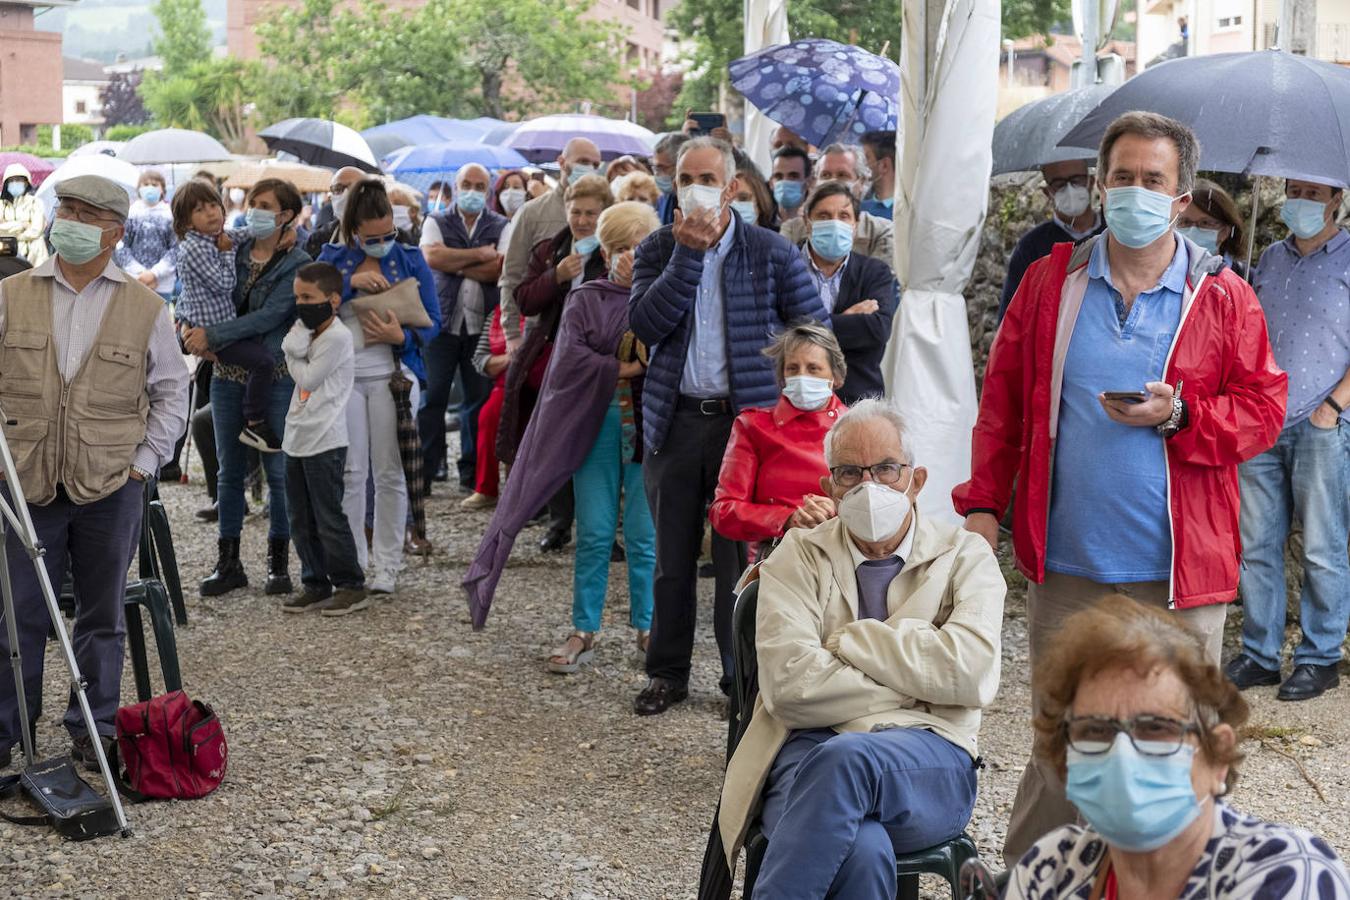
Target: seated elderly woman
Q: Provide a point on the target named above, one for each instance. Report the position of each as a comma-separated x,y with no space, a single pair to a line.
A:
775,459
637,186
1145,729
877,637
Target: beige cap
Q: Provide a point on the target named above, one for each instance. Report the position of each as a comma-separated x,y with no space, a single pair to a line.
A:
96,191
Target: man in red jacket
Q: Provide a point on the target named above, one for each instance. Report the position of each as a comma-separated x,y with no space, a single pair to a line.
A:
1130,377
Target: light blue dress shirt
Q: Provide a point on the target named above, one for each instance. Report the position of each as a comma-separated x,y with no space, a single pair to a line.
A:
705,365
827,286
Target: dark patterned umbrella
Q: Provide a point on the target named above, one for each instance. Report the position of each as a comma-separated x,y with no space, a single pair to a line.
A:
320,142
410,450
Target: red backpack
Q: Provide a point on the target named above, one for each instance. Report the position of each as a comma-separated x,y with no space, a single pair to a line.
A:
171,748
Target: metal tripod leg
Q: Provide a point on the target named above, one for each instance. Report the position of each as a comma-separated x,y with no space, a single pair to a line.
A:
15,512
15,655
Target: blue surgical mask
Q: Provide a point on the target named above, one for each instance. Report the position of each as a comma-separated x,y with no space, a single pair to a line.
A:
788,193
1207,238
472,201
579,171
746,210
664,183
16,189
379,250
1305,218
76,242
1137,216
1134,801
436,206
831,238
261,223
586,245
808,393
150,193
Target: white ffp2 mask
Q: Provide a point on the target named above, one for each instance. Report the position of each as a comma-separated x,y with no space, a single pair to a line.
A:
874,512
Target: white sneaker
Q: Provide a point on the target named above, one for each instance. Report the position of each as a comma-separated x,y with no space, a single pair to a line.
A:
383,581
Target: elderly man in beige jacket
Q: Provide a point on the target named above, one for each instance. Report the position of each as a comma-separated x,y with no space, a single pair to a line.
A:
878,644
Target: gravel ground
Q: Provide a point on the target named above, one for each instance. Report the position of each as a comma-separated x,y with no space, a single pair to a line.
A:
396,753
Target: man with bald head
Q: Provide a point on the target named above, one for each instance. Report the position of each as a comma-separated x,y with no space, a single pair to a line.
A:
326,223
540,219
460,246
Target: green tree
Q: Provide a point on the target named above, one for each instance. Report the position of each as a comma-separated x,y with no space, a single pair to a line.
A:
1026,17
211,95
309,51
184,37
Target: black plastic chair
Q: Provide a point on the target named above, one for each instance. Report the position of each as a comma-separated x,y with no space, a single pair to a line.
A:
944,859
151,595
157,557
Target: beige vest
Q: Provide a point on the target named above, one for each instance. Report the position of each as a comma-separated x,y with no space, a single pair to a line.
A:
82,434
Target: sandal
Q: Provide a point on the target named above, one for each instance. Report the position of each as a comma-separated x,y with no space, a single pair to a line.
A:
415,544
644,640
576,651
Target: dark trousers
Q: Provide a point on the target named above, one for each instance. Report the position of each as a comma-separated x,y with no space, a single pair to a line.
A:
201,395
562,509
96,542
681,478
448,355
255,357
319,529
204,439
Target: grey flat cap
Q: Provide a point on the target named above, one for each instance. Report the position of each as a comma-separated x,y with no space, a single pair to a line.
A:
96,191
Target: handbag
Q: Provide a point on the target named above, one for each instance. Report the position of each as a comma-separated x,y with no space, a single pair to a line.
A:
170,748
403,299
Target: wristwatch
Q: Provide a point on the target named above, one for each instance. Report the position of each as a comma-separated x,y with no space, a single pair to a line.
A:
145,476
1176,421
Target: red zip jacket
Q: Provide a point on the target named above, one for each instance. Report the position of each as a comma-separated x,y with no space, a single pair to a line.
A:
774,458
1234,394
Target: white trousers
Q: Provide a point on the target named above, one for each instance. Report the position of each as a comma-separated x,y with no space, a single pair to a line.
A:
372,446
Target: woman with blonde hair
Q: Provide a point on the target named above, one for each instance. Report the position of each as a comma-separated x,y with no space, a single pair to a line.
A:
587,427
1145,731
636,185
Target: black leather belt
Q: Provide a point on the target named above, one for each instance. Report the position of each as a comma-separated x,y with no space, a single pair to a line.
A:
712,406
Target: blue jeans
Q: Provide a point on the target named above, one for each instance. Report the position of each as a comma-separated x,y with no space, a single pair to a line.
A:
227,415
1305,475
839,807
597,485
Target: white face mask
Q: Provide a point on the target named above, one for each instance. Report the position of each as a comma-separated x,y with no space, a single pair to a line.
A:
1072,201
512,200
700,196
873,512
806,392
237,196
402,218
340,204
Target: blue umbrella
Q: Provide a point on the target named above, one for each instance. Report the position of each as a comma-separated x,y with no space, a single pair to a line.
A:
421,165
429,129
820,89
498,134
1266,113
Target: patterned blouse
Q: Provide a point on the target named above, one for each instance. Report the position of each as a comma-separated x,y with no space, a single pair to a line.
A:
1245,859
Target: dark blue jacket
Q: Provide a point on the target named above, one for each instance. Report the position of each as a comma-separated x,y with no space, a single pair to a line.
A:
765,286
266,310
666,206
403,261
486,232
863,337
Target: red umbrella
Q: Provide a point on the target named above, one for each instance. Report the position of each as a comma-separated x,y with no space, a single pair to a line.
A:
38,168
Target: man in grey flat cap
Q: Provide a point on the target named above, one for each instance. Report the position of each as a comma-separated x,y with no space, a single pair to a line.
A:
94,391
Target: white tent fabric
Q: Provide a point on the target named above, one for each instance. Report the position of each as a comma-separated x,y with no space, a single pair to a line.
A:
948,101
765,26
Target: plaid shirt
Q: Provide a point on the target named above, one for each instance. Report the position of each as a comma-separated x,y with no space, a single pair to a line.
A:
207,277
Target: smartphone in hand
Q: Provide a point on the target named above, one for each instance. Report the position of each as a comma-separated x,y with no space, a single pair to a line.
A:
706,122
1130,397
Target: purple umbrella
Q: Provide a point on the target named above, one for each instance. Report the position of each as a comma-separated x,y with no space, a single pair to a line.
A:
820,89
541,140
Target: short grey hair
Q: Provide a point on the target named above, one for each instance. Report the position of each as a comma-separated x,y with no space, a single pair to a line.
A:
812,333
1152,125
866,410
860,166
671,142
709,143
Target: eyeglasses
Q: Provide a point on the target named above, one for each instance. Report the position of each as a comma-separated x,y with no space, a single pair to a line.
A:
1151,735
337,189
882,473
379,239
1059,183
85,216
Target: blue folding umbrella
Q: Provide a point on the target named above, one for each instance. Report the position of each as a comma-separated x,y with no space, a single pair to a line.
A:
425,129
421,165
1266,113
820,89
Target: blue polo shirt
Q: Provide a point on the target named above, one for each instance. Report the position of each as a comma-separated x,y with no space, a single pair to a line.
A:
1306,300
1108,495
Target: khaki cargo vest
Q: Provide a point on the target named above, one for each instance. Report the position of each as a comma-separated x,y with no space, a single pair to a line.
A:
82,434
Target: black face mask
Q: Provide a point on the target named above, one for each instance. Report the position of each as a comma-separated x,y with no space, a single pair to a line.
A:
313,314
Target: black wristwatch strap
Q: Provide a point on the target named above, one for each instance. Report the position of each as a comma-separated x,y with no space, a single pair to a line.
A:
1331,401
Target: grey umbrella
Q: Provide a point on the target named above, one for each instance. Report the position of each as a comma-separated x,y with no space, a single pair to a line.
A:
1266,113
1028,137
172,145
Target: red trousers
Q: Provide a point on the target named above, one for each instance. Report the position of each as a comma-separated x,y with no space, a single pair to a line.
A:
486,473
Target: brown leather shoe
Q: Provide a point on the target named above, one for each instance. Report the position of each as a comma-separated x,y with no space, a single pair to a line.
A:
658,696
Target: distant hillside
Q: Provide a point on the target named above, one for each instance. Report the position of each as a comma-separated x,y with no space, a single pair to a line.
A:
101,29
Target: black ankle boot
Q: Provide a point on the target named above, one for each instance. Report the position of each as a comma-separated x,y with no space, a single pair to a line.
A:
278,559
229,573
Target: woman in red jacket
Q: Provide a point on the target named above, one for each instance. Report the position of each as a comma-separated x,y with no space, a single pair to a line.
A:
775,459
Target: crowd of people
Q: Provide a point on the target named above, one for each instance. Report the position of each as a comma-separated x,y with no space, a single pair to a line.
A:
681,352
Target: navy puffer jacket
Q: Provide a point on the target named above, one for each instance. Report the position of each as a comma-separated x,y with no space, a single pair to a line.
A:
765,286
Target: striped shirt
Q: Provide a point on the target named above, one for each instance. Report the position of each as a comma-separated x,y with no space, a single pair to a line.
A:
76,319
207,275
